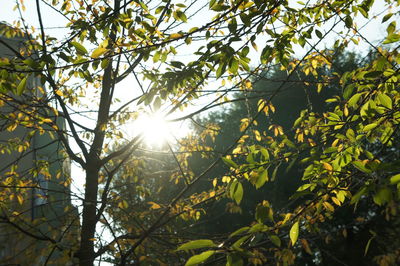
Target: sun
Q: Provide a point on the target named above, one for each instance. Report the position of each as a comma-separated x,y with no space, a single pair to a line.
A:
154,129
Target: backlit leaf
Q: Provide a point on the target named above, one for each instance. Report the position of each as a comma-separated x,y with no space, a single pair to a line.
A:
98,52
196,259
21,86
195,244
294,232
79,48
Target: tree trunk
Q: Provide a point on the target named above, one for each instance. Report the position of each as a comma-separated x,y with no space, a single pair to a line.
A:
86,251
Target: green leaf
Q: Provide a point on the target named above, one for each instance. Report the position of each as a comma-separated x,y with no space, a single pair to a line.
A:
79,48
354,99
385,100
239,231
233,259
221,69
294,232
349,22
21,86
104,63
367,246
319,34
394,37
262,178
236,191
229,162
261,213
197,259
373,74
382,196
275,240
387,17
391,28
233,66
358,195
348,91
195,244
395,179
99,51
181,15
369,127
360,166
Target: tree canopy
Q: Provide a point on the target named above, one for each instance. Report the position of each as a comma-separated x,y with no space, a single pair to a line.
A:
315,127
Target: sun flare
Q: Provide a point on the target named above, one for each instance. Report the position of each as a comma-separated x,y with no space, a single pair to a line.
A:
154,129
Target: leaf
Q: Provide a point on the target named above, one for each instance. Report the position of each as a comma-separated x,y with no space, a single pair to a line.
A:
306,246
99,51
373,74
319,34
123,204
21,86
239,231
385,100
154,205
360,166
195,244
175,35
395,179
327,166
358,195
294,232
275,240
262,178
367,246
236,191
354,99
391,28
59,93
387,17
261,213
157,103
233,259
369,127
348,21
20,199
196,259
382,196
348,91
229,162
80,49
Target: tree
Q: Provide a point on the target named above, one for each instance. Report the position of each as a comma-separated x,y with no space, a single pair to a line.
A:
112,41
348,228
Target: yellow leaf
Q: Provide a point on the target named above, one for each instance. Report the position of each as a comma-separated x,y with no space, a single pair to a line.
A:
314,63
154,205
248,84
327,166
336,201
20,199
294,232
98,52
59,93
328,206
175,35
123,204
